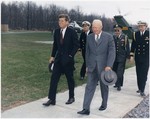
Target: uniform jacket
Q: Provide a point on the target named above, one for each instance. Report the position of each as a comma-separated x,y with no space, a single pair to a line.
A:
65,52
122,48
140,46
83,38
102,53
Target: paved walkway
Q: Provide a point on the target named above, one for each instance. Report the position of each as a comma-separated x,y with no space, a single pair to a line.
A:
119,103
45,42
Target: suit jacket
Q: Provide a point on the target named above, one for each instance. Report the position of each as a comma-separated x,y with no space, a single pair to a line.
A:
83,38
65,52
122,48
100,54
140,46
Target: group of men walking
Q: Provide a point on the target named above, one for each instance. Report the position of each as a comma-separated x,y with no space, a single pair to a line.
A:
101,52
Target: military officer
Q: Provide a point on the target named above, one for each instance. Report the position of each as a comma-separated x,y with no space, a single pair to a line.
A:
140,52
122,53
86,31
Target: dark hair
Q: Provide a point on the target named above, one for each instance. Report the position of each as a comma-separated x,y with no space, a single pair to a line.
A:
64,16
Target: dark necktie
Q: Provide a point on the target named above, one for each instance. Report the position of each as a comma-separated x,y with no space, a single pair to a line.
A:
142,34
61,37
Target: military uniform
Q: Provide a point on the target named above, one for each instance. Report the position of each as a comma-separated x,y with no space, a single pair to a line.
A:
122,53
140,47
83,38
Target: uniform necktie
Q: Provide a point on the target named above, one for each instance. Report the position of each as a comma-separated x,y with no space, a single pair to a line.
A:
142,33
61,36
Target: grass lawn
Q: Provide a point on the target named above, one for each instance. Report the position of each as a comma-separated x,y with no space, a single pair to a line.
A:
24,70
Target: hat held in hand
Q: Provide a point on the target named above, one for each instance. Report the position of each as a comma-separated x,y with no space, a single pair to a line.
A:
108,77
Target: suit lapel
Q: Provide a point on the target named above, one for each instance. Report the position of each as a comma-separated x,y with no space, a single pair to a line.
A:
93,40
59,36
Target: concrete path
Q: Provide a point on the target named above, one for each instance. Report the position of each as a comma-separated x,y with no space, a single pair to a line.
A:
119,103
45,42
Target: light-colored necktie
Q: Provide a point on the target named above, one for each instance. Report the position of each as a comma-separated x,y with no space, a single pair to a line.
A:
97,36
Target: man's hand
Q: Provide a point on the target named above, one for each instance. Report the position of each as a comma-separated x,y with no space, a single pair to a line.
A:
51,59
107,68
79,49
131,59
86,69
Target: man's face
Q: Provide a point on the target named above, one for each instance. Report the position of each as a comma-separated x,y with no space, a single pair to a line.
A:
85,28
117,31
63,23
142,27
96,28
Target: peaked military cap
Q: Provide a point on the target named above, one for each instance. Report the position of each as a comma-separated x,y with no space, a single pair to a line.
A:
142,23
117,26
86,23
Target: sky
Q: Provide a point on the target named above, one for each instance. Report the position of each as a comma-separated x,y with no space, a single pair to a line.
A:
135,9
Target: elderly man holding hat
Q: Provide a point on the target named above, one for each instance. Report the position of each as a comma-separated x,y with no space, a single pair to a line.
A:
100,56
83,37
122,53
140,52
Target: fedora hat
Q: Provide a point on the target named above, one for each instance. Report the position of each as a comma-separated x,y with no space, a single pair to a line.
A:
108,77
50,66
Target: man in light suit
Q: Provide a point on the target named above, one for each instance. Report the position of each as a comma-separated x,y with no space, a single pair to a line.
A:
65,47
100,55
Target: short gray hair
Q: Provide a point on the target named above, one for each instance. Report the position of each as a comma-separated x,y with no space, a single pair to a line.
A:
98,22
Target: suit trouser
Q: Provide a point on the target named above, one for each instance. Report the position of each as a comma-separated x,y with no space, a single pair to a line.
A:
57,71
141,72
83,68
119,68
90,89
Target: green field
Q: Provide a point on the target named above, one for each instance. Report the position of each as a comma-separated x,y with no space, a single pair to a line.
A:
24,70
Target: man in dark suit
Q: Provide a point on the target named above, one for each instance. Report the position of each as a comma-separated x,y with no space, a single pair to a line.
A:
64,49
100,56
83,37
122,53
140,51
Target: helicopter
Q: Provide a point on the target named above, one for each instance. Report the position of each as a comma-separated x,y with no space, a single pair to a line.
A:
76,26
126,28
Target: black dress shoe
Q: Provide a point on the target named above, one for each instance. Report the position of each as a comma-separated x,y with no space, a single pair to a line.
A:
138,91
49,102
119,88
115,86
142,94
81,78
102,108
84,111
70,101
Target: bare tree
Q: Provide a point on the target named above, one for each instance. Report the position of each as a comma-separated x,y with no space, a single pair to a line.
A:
27,15
4,13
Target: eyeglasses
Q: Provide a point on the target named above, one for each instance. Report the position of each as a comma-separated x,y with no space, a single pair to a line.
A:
116,30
